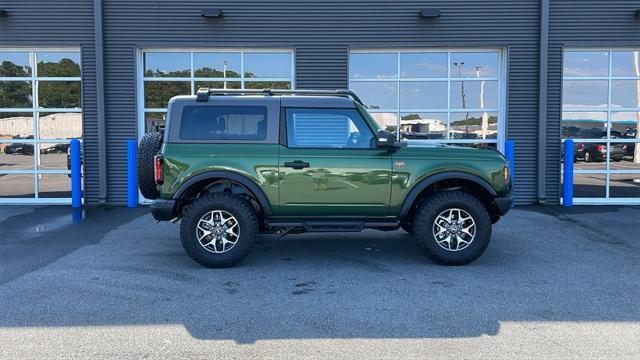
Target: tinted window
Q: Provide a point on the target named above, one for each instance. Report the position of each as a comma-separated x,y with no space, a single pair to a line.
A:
224,123
327,128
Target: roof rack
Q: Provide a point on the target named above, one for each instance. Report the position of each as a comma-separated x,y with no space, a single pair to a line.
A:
204,93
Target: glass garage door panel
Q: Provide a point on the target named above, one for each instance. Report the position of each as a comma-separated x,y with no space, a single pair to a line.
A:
601,113
40,112
432,96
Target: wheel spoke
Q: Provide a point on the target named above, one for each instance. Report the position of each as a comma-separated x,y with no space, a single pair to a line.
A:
442,231
211,218
224,220
204,233
231,230
218,231
210,241
467,230
445,240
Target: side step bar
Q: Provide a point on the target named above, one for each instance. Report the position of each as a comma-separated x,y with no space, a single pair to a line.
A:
333,226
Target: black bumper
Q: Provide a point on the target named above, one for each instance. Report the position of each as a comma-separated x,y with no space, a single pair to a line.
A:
503,203
162,209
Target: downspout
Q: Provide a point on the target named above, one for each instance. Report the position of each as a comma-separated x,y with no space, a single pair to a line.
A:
102,151
542,100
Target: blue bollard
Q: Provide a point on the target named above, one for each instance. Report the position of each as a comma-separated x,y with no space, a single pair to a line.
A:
509,152
132,181
76,175
567,178
76,216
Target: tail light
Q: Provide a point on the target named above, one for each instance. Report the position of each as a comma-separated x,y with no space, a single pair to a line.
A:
158,175
600,147
506,173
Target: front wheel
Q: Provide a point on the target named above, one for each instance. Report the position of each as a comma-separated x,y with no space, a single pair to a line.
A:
452,227
218,230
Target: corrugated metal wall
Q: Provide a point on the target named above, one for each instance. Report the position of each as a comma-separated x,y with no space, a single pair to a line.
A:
591,23
322,67
64,23
321,32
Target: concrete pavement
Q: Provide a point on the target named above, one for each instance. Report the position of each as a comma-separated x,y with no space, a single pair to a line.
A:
552,284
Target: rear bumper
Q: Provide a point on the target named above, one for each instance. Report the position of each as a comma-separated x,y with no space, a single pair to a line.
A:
503,203
163,209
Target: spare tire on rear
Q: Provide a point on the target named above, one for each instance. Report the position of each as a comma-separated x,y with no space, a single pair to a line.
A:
148,148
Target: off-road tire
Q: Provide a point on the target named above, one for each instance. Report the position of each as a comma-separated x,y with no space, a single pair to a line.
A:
147,149
239,208
427,213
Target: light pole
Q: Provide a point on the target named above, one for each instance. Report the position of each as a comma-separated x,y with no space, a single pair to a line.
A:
459,65
224,75
485,116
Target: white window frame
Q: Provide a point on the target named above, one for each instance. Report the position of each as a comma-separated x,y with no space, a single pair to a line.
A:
500,110
607,171
34,110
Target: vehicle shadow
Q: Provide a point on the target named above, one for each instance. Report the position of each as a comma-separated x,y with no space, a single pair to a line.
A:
359,285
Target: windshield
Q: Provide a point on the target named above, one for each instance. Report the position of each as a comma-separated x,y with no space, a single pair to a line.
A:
369,118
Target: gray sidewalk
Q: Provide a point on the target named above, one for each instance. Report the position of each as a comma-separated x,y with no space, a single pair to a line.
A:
554,283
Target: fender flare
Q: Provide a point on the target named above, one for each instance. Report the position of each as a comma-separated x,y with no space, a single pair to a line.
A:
228,175
424,183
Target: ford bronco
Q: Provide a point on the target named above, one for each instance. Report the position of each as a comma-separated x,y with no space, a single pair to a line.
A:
232,164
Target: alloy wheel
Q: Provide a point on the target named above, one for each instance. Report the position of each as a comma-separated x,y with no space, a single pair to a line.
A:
218,231
454,229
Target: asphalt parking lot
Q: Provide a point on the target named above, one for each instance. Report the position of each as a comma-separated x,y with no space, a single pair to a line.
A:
552,284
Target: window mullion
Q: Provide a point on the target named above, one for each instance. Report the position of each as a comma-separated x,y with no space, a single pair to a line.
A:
448,128
398,120
191,73
36,115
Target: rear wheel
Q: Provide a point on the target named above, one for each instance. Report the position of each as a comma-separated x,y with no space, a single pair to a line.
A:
218,230
147,149
452,227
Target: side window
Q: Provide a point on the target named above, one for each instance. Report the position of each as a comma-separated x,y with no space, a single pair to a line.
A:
223,123
327,128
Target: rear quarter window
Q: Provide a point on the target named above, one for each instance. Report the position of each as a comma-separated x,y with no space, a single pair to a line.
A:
223,123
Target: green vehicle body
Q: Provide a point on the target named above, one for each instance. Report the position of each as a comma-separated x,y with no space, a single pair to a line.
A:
377,184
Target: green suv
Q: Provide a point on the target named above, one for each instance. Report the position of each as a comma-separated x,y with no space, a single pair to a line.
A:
235,164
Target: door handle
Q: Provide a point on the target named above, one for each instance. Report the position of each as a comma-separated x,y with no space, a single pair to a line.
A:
296,164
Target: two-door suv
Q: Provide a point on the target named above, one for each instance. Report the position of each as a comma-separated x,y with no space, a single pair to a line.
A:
235,164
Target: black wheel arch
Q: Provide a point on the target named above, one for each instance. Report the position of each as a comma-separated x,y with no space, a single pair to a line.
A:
209,177
418,190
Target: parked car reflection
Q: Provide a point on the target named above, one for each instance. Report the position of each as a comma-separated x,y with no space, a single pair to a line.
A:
629,148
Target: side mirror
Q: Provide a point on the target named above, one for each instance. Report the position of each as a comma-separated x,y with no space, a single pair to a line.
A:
385,139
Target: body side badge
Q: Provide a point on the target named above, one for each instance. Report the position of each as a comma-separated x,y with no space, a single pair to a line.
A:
398,164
